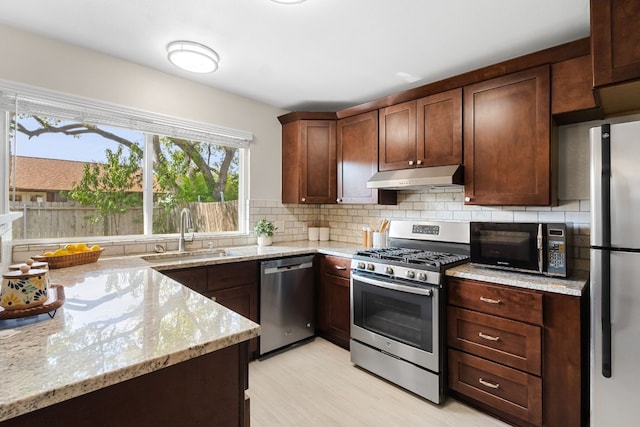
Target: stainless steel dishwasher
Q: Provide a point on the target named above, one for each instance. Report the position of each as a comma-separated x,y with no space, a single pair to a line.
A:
286,302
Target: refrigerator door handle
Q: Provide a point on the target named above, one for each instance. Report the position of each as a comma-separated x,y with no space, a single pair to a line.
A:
606,254
605,280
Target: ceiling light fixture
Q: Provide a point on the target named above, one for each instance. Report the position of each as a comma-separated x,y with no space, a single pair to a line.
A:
288,1
192,56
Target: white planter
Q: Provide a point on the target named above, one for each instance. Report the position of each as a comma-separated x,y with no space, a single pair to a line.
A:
264,241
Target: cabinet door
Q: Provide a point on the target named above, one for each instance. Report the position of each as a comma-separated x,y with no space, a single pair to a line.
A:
508,153
357,158
309,161
318,161
244,301
397,136
235,285
333,303
439,138
615,41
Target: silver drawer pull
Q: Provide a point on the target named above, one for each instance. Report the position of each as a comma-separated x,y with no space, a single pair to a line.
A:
488,384
490,301
488,337
339,267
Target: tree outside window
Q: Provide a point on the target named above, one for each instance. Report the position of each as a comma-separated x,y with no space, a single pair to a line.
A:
107,193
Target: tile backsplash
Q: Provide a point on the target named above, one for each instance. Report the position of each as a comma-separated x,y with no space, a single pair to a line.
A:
346,221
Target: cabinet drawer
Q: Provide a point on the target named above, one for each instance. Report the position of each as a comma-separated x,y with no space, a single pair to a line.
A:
337,266
511,343
225,276
500,300
507,390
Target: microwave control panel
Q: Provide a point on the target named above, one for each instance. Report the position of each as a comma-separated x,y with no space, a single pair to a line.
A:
556,253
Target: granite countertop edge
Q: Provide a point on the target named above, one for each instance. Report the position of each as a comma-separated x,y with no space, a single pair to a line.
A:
572,286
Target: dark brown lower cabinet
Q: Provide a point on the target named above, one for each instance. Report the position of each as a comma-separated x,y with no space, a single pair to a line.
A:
333,310
520,355
234,285
208,390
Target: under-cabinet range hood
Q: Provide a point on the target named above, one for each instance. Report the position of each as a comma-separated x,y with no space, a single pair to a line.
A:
406,179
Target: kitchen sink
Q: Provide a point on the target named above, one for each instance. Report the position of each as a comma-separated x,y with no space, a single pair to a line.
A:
186,256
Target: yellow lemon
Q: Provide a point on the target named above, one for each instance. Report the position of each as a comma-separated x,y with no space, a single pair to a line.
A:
61,252
95,248
82,247
70,247
48,253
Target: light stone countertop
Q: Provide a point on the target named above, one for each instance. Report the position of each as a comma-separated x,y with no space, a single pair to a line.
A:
121,319
574,285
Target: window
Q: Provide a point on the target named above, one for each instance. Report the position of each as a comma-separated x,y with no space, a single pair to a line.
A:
81,171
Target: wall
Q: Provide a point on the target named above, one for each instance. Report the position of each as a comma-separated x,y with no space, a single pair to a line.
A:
45,63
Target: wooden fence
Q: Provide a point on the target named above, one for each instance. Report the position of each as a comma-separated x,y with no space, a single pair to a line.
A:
48,220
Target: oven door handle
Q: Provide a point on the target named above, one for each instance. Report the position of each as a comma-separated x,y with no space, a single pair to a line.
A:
394,286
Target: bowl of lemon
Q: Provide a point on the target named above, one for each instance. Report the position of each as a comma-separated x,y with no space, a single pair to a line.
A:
71,254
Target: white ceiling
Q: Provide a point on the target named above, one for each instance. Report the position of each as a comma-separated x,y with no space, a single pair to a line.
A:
321,55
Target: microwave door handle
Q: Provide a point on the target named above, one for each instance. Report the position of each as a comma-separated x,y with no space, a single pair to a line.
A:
540,247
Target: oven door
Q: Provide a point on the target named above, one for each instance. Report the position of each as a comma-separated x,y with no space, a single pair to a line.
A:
397,318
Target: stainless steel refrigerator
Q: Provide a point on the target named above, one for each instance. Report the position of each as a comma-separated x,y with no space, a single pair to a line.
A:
615,275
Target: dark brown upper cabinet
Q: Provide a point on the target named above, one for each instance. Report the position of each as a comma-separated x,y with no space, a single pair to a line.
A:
397,137
439,139
309,161
358,160
509,157
615,45
572,94
615,41
420,133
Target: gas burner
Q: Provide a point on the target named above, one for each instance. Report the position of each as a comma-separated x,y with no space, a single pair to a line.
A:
387,253
415,257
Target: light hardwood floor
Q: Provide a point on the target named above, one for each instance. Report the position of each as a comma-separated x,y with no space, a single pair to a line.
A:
315,384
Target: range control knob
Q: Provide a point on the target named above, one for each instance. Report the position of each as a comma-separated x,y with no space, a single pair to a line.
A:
411,274
389,271
361,265
422,277
371,267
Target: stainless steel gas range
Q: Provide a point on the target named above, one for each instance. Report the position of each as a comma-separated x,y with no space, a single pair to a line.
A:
397,316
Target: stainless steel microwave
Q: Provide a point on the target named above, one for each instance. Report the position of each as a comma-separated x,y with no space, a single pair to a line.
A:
539,248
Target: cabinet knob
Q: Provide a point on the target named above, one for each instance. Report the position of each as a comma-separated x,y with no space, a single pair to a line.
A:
304,199
339,200
468,199
410,162
214,298
419,162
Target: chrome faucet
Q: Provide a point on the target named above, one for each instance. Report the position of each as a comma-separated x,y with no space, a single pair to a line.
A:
185,222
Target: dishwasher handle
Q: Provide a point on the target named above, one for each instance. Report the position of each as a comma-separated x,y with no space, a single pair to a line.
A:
286,268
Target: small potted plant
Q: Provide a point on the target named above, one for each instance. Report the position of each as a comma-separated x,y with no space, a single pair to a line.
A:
264,230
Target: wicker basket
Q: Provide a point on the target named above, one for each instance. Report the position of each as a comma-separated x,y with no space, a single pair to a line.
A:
70,260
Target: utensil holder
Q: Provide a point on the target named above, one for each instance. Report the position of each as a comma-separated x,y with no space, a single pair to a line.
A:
380,240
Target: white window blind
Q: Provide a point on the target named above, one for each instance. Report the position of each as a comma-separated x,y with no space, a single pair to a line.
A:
41,102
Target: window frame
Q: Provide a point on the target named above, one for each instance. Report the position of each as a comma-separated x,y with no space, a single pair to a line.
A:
145,120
